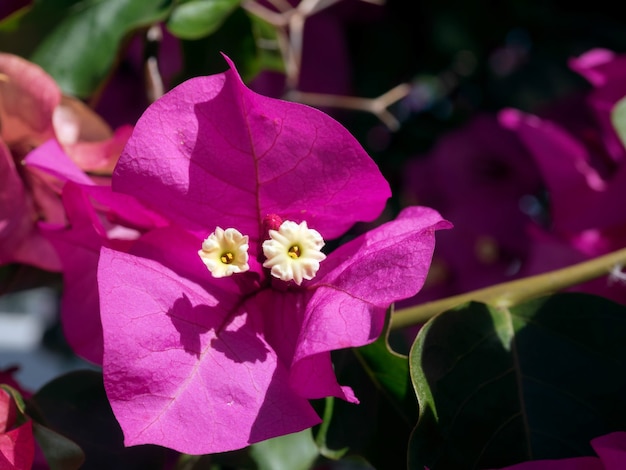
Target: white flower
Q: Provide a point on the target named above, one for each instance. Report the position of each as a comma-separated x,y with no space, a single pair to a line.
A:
225,252
293,252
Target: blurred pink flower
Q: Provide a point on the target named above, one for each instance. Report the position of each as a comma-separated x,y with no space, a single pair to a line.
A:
48,141
606,71
504,227
585,220
207,361
481,178
33,111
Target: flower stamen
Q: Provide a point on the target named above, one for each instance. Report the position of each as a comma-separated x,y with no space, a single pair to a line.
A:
227,258
225,252
293,252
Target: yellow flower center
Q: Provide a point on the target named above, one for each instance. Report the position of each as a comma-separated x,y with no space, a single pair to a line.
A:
227,258
294,252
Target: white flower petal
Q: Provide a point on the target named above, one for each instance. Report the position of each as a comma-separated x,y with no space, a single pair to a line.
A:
293,252
225,252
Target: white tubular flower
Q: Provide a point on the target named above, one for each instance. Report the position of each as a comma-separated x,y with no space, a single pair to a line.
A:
293,252
225,252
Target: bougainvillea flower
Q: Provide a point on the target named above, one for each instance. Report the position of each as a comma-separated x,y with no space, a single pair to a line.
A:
610,450
33,111
480,177
606,71
580,198
28,97
584,220
17,445
96,217
46,140
204,363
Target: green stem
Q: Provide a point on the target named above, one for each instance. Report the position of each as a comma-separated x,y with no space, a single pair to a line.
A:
515,292
320,439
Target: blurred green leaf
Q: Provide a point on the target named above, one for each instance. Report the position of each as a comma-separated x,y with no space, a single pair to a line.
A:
77,41
60,452
196,19
75,405
501,386
295,451
618,118
234,38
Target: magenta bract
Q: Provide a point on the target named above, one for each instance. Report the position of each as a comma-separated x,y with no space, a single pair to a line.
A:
203,364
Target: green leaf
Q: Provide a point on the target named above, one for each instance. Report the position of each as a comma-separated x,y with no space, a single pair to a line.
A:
295,451
75,405
618,118
202,56
21,417
501,386
195,19
77,41
390,372
377,430
60,452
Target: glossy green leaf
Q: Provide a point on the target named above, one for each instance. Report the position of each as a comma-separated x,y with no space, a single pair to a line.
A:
196,19
390,372
295,451
77,41
375,432
501,386
618,118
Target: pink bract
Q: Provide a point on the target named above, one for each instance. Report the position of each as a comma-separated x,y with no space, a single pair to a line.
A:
17,445
478,176
32,112
201,364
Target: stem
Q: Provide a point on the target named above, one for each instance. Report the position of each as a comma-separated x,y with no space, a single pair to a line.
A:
320,438
515,292
376,106
154,82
